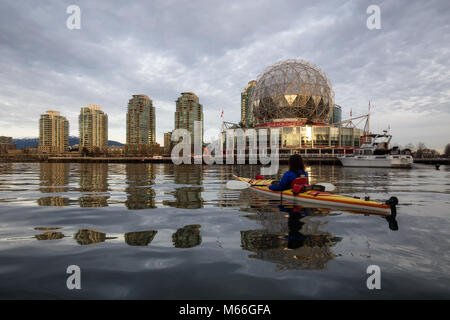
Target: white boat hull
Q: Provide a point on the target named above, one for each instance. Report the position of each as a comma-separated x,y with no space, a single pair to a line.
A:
390,161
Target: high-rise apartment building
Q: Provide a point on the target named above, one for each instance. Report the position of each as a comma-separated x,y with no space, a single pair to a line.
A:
167,142
53,133
93,127
246,107
188,110
140,124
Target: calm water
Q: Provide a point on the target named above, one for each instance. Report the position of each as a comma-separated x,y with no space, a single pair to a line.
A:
164,231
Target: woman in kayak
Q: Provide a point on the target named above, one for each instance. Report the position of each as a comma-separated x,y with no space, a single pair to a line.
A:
296,170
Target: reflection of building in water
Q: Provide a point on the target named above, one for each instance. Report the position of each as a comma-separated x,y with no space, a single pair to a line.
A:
93,178
50,235
187,197
55,201
6,168
293,243
187,237
140,177
54,177
188,174
142,238
93,201
88,236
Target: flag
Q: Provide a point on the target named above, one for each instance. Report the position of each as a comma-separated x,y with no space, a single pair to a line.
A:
221,115
350,113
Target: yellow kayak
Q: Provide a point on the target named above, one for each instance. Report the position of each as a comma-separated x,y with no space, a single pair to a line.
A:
322,199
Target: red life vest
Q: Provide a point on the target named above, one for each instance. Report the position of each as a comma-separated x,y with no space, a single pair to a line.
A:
298,185
301,180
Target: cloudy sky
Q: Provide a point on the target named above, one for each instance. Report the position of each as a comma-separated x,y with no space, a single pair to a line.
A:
213,48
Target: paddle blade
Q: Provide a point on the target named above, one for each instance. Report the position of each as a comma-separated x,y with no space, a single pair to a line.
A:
328,186
237,185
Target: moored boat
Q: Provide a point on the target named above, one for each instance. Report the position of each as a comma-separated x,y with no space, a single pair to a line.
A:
375,153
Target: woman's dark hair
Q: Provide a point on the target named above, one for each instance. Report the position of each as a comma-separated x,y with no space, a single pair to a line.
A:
296,163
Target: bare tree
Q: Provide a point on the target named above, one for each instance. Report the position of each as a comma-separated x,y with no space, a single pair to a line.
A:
421,146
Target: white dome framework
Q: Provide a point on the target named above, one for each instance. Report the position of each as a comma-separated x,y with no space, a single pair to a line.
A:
292,89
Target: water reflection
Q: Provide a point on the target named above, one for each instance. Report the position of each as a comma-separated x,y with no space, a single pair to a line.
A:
142,238
88,237
297,243
93,178
416,262
187,237
54,177
140,194
6,168
50,235
53,201
187,197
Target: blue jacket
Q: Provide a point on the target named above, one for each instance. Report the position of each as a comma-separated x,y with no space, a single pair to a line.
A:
286,180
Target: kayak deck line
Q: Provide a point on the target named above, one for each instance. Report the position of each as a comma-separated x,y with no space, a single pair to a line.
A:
323,198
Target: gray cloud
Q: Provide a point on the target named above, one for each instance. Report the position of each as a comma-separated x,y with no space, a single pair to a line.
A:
213,48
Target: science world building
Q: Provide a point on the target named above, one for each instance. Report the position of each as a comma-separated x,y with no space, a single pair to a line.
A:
296,97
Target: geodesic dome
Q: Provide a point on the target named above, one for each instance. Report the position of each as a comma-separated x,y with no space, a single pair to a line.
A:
292,89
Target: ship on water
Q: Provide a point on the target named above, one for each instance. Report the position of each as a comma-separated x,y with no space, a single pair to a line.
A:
375,153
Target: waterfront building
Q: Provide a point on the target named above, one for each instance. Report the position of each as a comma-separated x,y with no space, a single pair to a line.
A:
93,127
335,114
53,133
115,151
6,144
246,105
295,97
188,110
140,124
167,142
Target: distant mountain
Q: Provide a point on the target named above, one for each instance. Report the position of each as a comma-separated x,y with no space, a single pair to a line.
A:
34,142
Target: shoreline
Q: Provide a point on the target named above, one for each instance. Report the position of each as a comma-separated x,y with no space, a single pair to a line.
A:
40,159
313,159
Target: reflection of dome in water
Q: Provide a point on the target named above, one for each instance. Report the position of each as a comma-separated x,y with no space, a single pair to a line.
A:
292,89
